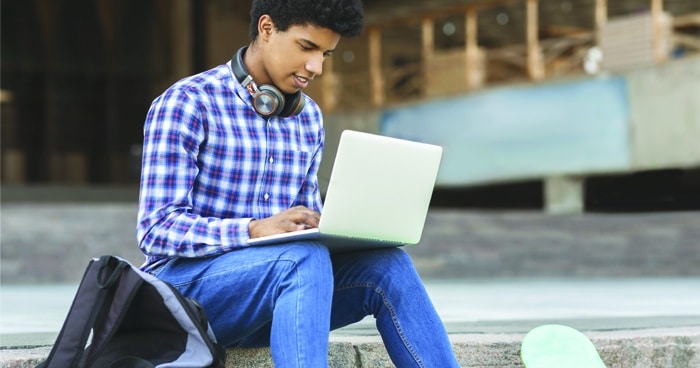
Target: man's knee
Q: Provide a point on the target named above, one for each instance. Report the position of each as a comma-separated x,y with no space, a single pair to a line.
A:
309,259
305,252
394,258
395,267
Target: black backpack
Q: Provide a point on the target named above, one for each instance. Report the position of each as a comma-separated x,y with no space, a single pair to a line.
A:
136,321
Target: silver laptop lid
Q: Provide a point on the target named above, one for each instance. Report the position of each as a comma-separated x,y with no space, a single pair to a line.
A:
380,188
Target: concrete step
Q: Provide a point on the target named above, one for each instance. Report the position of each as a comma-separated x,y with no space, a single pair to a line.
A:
640,323
651,348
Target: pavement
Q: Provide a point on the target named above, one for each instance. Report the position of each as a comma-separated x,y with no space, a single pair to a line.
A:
628,281
656,318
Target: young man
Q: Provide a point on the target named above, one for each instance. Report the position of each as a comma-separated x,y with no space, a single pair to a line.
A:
232,154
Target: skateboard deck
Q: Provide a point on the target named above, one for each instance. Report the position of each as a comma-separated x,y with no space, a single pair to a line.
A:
558,346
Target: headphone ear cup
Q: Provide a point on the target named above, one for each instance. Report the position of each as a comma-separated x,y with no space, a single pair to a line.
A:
293,104
269,101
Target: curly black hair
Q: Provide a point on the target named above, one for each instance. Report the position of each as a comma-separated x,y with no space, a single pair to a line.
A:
344,17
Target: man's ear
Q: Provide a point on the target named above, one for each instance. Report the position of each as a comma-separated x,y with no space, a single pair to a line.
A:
265,26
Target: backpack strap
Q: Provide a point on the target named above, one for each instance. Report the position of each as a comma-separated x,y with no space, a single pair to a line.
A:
122,291
90,302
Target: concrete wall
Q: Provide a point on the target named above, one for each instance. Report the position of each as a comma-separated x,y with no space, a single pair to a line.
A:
665,115
522,132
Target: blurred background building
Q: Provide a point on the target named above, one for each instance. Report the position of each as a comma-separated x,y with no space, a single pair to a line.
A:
564,105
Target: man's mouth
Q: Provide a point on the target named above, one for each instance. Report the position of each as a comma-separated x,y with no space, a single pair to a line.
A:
301,82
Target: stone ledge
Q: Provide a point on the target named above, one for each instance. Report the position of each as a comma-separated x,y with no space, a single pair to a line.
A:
651,348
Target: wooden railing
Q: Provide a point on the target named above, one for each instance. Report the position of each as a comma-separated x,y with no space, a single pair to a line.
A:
546,51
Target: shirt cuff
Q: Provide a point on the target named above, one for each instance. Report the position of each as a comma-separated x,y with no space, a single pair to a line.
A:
235,233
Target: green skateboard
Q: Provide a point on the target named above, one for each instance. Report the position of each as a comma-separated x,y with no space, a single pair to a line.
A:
558,346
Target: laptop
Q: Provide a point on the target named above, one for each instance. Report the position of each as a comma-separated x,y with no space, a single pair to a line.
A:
378,194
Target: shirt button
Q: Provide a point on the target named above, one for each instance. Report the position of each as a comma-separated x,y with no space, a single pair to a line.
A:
272,160
266,196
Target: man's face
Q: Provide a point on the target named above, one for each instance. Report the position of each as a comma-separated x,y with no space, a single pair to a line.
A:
292,58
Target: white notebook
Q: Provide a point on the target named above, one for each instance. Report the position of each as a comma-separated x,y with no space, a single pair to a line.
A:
378,194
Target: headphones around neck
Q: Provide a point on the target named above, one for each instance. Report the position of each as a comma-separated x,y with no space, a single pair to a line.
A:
267,99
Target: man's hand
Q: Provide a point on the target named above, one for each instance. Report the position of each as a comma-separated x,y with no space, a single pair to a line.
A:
293,219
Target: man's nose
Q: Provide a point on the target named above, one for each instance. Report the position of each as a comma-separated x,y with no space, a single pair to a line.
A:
315,64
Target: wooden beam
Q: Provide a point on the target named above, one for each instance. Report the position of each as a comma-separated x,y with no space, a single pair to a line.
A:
181,38
535,66
14,166
428,48
601,17
686,20
105,13
163,13
657,29
411,19
601,13
375,67
329,96
472,49
46,11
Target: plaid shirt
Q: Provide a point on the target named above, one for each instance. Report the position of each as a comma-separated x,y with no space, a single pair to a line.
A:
211,164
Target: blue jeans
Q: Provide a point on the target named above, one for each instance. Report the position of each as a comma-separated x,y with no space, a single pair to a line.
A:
290,296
